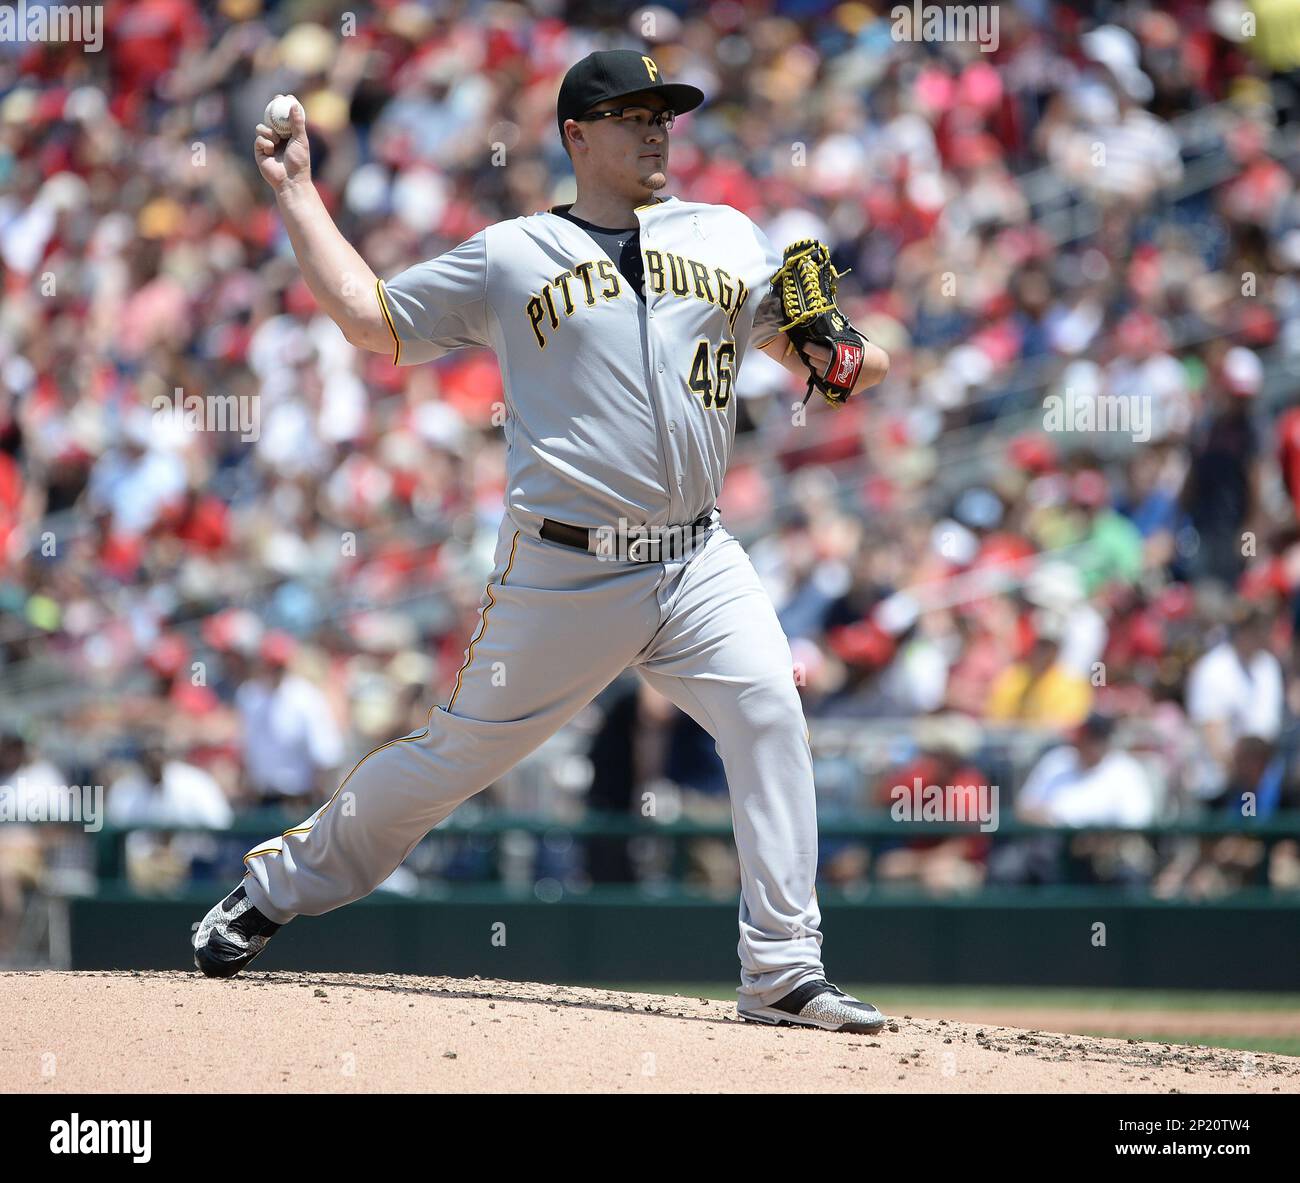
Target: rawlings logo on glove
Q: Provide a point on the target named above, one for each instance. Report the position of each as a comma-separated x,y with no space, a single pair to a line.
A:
846,366
805,284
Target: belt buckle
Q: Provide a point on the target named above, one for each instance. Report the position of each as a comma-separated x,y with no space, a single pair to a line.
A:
638,549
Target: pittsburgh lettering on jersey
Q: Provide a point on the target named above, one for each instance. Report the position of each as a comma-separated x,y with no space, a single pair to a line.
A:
667,272
569,291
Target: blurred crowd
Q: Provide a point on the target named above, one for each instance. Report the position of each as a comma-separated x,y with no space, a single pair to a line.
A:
220,611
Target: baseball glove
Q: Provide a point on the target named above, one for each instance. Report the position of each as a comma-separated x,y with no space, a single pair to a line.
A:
805,284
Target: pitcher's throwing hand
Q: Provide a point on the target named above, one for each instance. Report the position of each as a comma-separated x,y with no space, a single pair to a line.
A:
283,156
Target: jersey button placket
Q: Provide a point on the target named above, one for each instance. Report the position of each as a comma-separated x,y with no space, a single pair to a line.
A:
672,430
665,400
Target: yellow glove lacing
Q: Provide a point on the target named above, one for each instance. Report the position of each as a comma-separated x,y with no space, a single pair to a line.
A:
801,288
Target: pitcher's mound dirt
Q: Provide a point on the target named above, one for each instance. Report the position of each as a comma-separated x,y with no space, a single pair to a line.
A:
319,1032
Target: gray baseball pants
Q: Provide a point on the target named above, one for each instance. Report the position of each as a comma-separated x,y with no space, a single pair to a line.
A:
558,625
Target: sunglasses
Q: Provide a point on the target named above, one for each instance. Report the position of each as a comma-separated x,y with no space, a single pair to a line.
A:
639,117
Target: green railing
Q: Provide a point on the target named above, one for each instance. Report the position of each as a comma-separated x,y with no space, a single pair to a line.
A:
873,831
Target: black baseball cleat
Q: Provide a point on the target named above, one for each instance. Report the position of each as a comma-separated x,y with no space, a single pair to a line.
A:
819,1004
231,935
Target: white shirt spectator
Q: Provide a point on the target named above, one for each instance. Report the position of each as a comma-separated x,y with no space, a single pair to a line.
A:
917,678
25,231
187,796
1142,155
290,735
1162,379
35,792
1083,640
1072,327
1248,698
1116,791
136,489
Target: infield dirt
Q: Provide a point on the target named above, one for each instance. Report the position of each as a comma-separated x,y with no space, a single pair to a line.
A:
340,1032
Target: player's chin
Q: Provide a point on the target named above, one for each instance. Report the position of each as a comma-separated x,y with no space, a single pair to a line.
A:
653,172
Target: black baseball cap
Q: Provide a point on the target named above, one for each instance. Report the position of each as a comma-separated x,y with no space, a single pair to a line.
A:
612,73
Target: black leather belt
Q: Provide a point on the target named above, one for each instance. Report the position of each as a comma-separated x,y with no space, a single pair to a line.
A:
637,544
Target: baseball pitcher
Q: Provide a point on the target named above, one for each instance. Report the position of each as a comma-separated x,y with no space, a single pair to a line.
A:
620,323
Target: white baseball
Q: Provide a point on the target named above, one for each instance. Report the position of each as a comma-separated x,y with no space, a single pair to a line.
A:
279,115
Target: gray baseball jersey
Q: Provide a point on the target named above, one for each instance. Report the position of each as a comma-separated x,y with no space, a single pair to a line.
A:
618,408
